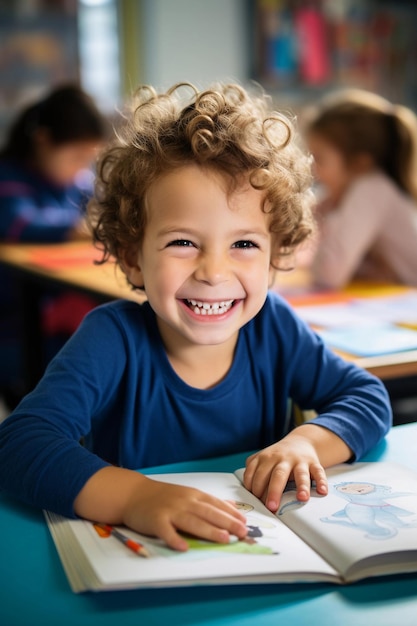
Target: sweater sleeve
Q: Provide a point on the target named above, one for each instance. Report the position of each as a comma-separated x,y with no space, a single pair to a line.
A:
34,210
42,460
22,220
347,399
347,233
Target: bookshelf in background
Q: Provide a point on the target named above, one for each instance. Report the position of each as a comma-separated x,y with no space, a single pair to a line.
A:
303,48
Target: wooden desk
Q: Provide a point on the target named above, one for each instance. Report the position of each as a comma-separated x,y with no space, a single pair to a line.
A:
39,269
72,264
35,589
388,366
68,264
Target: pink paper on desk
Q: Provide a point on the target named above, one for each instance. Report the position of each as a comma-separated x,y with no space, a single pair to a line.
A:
58,257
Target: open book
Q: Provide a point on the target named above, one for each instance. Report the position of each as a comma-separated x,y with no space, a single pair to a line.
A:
366,526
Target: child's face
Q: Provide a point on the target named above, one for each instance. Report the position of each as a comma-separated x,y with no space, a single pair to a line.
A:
61,163
330,166
205,259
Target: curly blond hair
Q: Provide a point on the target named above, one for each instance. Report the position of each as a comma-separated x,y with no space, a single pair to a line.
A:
223,128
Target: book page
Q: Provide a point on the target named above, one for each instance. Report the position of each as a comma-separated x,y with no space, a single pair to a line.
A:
368,518
360,312
375,340
270,552
397,309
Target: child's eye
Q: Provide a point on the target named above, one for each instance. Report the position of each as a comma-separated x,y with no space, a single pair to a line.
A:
245,244
184,243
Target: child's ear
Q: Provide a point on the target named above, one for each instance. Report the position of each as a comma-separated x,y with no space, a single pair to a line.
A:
130,266
363,162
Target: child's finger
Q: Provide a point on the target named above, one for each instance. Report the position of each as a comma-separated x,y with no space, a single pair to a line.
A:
318,474
199,528
173,539
229,506
277,483
206,531
257,476
250,469
302,480
229,519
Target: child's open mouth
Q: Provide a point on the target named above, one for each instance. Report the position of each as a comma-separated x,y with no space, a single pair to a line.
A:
209,308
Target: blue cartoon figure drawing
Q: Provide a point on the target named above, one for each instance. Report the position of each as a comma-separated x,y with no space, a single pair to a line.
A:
368,510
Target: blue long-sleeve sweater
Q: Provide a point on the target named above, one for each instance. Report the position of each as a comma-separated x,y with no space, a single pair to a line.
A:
112,386
34,209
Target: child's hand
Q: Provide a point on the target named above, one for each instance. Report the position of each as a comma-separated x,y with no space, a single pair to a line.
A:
163,510
293,458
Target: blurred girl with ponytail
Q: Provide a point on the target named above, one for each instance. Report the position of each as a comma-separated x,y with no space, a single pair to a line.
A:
364,150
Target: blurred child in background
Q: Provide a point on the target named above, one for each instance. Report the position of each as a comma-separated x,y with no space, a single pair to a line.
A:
365,158
44,176
45,182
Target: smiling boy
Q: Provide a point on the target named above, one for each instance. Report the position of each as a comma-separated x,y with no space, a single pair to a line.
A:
199,204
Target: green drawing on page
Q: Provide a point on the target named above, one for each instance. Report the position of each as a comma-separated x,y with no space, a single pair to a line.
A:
243,546
248,545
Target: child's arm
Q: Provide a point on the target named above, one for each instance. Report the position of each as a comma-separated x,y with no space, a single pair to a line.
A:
120,496
352,407
21,220
301,456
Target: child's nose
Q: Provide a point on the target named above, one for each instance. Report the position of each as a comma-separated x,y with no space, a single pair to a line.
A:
212,268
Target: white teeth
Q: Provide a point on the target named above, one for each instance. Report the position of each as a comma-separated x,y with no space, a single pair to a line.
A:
210,308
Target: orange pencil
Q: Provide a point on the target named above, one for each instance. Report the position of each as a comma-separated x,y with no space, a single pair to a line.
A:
136,547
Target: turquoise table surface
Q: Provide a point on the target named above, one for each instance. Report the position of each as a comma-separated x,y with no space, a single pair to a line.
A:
34,589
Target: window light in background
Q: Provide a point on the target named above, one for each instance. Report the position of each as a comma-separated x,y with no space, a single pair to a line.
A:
98,28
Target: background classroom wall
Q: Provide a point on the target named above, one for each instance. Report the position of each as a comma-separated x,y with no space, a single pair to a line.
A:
297,49
111,46
197,41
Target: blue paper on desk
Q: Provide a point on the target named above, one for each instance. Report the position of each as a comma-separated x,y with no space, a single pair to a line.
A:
370,340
